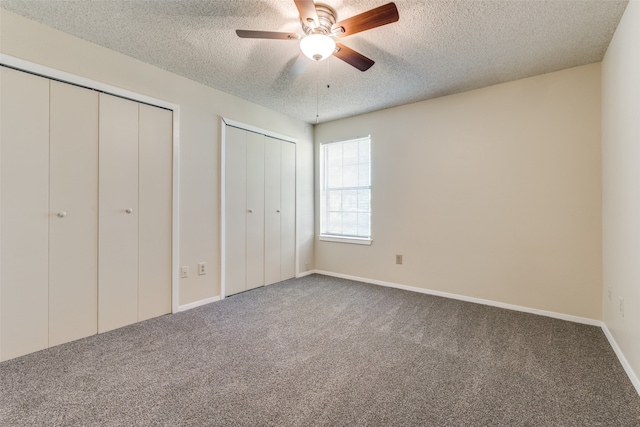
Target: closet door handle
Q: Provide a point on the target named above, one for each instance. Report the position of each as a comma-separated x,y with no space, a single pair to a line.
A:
278,210
62,214
250,210
129,210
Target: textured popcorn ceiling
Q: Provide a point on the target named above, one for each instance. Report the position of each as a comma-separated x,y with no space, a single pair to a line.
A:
437,48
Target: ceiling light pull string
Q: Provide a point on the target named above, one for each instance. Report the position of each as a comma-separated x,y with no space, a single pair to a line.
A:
317,95
328,74
327,71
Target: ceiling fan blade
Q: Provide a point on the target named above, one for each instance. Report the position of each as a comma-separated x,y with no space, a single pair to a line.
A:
377,17
353,58
300,65
249,34
307,10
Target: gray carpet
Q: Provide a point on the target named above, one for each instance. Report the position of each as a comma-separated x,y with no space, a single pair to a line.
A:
326,351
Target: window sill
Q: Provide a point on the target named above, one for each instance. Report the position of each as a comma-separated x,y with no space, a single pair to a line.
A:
340,239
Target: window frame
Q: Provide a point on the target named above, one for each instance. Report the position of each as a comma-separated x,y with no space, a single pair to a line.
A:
324,193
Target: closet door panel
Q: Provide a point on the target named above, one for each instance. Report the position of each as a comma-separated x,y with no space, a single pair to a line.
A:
272,160
235,210
288,212
154,203
73,229
118,213
255,210
24,213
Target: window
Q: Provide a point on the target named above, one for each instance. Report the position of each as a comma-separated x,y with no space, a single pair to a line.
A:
345,191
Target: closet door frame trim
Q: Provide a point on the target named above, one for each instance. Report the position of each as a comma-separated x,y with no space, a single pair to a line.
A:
224,122
51,73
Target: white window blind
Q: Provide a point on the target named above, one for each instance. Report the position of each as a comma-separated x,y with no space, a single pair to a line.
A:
345,189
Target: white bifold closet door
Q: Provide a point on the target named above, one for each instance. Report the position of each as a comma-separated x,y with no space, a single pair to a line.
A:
288,211
73,218
118,243
235,210
245,211
134,281
255,211
259,210
273,211
24,213
155,150
85,212
279,189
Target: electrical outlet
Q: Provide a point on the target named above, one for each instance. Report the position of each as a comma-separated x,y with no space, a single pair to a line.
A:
609,293
202,268
398,259
184,271
621,302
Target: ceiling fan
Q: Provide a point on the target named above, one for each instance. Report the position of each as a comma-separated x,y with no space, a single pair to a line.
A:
321,29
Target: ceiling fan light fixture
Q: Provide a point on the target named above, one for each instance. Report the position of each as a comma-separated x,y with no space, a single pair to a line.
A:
317,46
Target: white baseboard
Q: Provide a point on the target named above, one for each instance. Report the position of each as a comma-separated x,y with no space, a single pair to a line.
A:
553,314
197,304
305,273
630,373
623,360
219,298
583,320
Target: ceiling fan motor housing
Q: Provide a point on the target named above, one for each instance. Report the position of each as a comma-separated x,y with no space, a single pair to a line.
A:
318,21
327,16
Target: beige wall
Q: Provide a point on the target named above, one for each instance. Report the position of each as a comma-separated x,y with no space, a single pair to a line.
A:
492,194
201,108
621,185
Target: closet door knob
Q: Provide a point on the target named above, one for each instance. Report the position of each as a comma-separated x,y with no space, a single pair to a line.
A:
62,214
250,210
278,210
129,210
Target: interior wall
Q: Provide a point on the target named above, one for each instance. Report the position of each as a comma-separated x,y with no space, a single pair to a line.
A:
492,194
201,109
621,185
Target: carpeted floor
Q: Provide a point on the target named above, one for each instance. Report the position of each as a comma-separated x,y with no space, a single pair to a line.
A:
326,351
